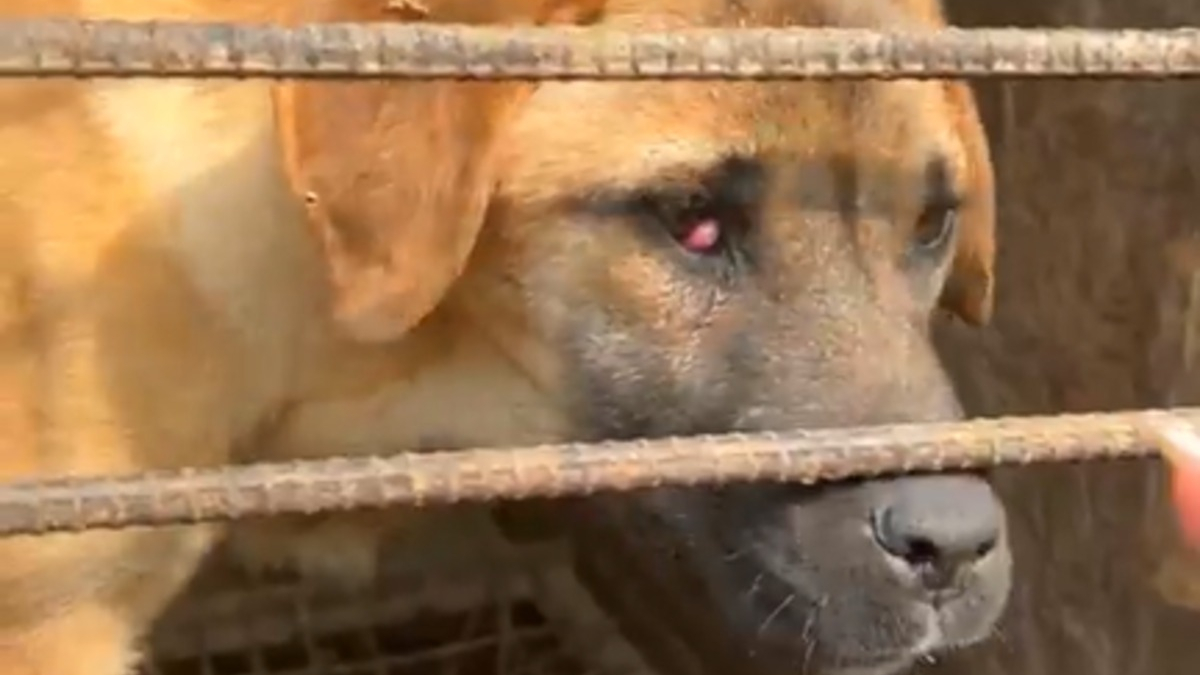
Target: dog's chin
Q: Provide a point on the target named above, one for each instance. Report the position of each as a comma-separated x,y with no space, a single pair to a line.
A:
830,635
676,590
947,628
886,667
934,631
890,638
889,666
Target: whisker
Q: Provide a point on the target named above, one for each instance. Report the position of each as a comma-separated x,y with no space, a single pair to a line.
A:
778,610
755,585
811,622
1002,638
808,654
806,633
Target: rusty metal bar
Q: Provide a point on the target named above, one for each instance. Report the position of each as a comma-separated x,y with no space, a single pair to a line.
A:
415,479
44,48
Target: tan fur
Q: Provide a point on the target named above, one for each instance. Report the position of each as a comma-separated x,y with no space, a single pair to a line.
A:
192,267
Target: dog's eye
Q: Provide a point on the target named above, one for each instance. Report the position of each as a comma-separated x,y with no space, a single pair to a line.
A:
701,236
691,221
935,227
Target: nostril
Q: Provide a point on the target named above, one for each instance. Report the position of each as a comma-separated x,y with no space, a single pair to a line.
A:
917,551
911,548
985,548
938,547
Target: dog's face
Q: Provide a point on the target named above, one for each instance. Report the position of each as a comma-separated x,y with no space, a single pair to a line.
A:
704,258
683,258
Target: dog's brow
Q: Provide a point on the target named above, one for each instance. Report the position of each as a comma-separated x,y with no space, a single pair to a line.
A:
663,162
737,181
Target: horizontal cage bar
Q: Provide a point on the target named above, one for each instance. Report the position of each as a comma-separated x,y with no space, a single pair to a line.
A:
417,479
44,48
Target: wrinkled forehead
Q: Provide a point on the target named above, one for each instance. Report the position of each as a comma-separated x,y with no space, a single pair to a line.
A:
581,136
845,13
588,135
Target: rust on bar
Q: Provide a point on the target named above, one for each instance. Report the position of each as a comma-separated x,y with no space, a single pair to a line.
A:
418,479
81,48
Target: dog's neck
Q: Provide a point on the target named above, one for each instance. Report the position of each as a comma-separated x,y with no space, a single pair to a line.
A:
442,386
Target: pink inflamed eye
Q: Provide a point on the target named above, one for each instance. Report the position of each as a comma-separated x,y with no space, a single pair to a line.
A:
701,237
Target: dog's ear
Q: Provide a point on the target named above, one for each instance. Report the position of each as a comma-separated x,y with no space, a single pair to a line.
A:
396,176
968,290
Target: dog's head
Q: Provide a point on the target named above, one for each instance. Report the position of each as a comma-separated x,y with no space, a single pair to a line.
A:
700,257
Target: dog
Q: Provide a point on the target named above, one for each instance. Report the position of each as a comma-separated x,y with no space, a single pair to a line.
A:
201,272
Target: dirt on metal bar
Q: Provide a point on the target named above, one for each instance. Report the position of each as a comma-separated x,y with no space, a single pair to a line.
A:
64,47
447,477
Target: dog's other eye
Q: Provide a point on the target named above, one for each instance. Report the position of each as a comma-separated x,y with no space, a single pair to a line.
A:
935,228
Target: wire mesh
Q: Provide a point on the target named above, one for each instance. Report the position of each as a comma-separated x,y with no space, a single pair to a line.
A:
462,614
42,48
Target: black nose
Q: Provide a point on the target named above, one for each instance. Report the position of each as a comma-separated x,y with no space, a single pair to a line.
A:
939,526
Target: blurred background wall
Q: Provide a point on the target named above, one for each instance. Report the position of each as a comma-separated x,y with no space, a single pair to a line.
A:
1098,188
